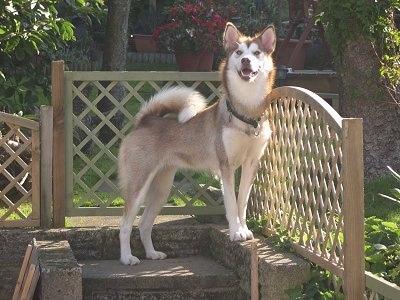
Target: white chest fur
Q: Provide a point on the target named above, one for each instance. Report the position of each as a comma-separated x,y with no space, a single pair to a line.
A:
241,147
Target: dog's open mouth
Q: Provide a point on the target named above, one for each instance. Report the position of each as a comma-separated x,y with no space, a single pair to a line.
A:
247,74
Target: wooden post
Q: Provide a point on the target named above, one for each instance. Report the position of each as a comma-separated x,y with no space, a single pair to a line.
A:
46,164
36,148
57,98
353,206
254,270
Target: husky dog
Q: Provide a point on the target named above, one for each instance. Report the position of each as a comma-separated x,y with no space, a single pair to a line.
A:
229,134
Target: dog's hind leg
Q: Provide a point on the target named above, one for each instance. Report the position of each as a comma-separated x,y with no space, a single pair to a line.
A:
134,195
156,197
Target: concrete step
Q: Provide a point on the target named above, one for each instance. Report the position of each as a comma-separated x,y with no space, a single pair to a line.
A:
194,277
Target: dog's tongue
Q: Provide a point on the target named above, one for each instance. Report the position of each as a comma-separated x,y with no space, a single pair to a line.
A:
247,73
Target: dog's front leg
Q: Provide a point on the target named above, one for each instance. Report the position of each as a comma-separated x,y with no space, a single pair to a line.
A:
249,170
228,186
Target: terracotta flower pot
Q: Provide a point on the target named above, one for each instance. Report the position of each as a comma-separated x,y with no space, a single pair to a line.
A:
144,43
192,62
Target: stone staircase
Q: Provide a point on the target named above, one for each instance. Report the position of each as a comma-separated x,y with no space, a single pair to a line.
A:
195,277
202,263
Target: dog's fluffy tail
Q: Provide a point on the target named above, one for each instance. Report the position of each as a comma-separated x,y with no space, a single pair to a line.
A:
184,101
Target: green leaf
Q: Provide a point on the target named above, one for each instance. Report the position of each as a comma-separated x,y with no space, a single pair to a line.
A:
20,53
375,258
378,268
12,43
390,225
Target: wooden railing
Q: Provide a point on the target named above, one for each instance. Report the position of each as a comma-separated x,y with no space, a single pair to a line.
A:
310,184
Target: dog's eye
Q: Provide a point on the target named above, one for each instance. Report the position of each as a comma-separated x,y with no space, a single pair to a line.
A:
239,52
257,53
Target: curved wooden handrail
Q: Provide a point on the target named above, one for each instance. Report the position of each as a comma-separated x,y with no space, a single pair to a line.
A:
316,102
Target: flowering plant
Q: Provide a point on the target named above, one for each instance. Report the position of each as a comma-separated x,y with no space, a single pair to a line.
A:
193,26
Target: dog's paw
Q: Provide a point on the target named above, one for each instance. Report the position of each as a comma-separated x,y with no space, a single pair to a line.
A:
246,232
242,234
237,236
156,255
249,235
130,260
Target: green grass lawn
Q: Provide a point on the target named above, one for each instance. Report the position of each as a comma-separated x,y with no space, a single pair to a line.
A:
376,205
25,208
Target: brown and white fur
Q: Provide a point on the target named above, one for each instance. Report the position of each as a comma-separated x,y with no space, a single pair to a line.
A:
201,138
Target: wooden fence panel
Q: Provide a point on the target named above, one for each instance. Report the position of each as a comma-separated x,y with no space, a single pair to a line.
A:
92,138
19,171
310,184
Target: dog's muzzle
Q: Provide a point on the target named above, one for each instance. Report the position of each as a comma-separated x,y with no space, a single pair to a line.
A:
247,73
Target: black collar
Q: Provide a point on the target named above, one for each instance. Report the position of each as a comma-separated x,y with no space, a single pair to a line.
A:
250,121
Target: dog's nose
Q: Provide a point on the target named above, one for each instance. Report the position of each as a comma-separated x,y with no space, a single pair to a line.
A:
245,61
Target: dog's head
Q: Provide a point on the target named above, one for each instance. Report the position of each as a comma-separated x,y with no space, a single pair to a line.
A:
249,57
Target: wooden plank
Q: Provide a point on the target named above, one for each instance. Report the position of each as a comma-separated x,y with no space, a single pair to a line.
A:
68,146
254,271
30,282
20,280
166,210
318,259
19,223
383,287
29,274
35,175
57,98
46,165
34,282
353,209
143,76
20,121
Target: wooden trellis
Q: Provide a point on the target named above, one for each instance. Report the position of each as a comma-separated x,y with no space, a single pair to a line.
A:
20,161
23,199
92,137
310,184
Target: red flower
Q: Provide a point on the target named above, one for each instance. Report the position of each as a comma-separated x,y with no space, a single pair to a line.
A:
194,25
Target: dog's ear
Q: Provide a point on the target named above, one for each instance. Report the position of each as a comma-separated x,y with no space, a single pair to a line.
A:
231,36
268,39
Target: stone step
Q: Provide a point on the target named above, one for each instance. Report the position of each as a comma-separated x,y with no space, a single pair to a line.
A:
194,277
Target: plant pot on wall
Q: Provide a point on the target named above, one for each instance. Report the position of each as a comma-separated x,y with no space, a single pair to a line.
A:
191,62
144,43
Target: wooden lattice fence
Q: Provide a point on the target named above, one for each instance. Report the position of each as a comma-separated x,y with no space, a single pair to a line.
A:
310,184
92,137
22,171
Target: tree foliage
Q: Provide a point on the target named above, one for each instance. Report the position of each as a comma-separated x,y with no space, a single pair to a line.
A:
30,31
374,20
